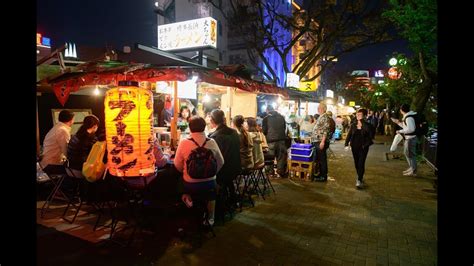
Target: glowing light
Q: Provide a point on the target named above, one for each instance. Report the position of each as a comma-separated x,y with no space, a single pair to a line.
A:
96,91
329,101
274,104
280,100
292,80
329,94
129,131
201,32
206,99
379,74
393,73
393,61
264,108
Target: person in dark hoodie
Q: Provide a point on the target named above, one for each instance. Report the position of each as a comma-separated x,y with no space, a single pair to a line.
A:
274,129
228,141
81,144
360,136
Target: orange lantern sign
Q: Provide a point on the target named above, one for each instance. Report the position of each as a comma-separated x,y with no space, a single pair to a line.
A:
129,131
393,73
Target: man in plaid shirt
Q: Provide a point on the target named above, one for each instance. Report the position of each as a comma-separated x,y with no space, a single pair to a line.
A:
320,139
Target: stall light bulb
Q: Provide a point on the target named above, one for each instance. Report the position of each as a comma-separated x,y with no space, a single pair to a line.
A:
96,91
206,99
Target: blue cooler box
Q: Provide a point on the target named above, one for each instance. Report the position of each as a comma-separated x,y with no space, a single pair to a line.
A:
301,152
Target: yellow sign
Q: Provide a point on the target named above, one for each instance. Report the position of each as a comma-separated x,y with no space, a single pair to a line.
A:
352,103
307,86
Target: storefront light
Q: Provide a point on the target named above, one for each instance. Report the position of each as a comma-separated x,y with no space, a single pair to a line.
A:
206,98
96,91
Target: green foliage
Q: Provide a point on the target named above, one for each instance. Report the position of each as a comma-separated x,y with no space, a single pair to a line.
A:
417,21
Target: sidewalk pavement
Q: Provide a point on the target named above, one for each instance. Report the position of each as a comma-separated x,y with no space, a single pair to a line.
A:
392,221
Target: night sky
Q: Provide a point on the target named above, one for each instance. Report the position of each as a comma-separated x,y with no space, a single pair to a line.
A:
126,22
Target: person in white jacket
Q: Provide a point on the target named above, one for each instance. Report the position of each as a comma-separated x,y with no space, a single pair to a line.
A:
408,131
205,187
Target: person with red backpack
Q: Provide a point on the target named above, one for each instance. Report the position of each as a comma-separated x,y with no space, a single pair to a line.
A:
199,159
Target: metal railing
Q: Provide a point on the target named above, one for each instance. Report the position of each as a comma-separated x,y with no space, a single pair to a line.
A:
430,149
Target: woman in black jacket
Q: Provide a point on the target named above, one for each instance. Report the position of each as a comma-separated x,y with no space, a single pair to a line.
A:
81,144
360,136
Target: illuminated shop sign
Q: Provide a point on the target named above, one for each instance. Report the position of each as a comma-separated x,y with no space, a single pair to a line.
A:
196,33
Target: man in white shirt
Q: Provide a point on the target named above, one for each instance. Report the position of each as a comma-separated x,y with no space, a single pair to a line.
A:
409,147
55,143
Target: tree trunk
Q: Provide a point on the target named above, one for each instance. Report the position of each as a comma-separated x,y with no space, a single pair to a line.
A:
424,93
422,96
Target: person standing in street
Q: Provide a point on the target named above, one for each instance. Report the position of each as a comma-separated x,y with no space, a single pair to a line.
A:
274,129
320,139
408,126
360,137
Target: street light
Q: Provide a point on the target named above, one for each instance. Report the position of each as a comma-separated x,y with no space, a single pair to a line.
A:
393,61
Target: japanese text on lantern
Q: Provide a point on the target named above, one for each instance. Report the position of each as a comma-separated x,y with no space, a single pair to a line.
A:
129,129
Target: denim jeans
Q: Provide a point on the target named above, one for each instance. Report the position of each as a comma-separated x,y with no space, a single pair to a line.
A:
409,149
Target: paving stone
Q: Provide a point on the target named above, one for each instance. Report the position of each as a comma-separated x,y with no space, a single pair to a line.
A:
391,222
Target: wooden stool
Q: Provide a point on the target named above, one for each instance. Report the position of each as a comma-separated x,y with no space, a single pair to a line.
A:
300,170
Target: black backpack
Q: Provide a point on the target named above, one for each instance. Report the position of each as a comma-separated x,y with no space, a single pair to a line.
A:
421,125
201,163
332,127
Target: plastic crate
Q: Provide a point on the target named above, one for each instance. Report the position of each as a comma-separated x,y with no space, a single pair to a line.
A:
301,149
302,157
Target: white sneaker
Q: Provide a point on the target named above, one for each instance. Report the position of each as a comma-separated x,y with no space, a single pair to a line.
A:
411,173
408,170
358,184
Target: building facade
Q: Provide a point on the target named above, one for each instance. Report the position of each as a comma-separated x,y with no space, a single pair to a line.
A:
231,45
